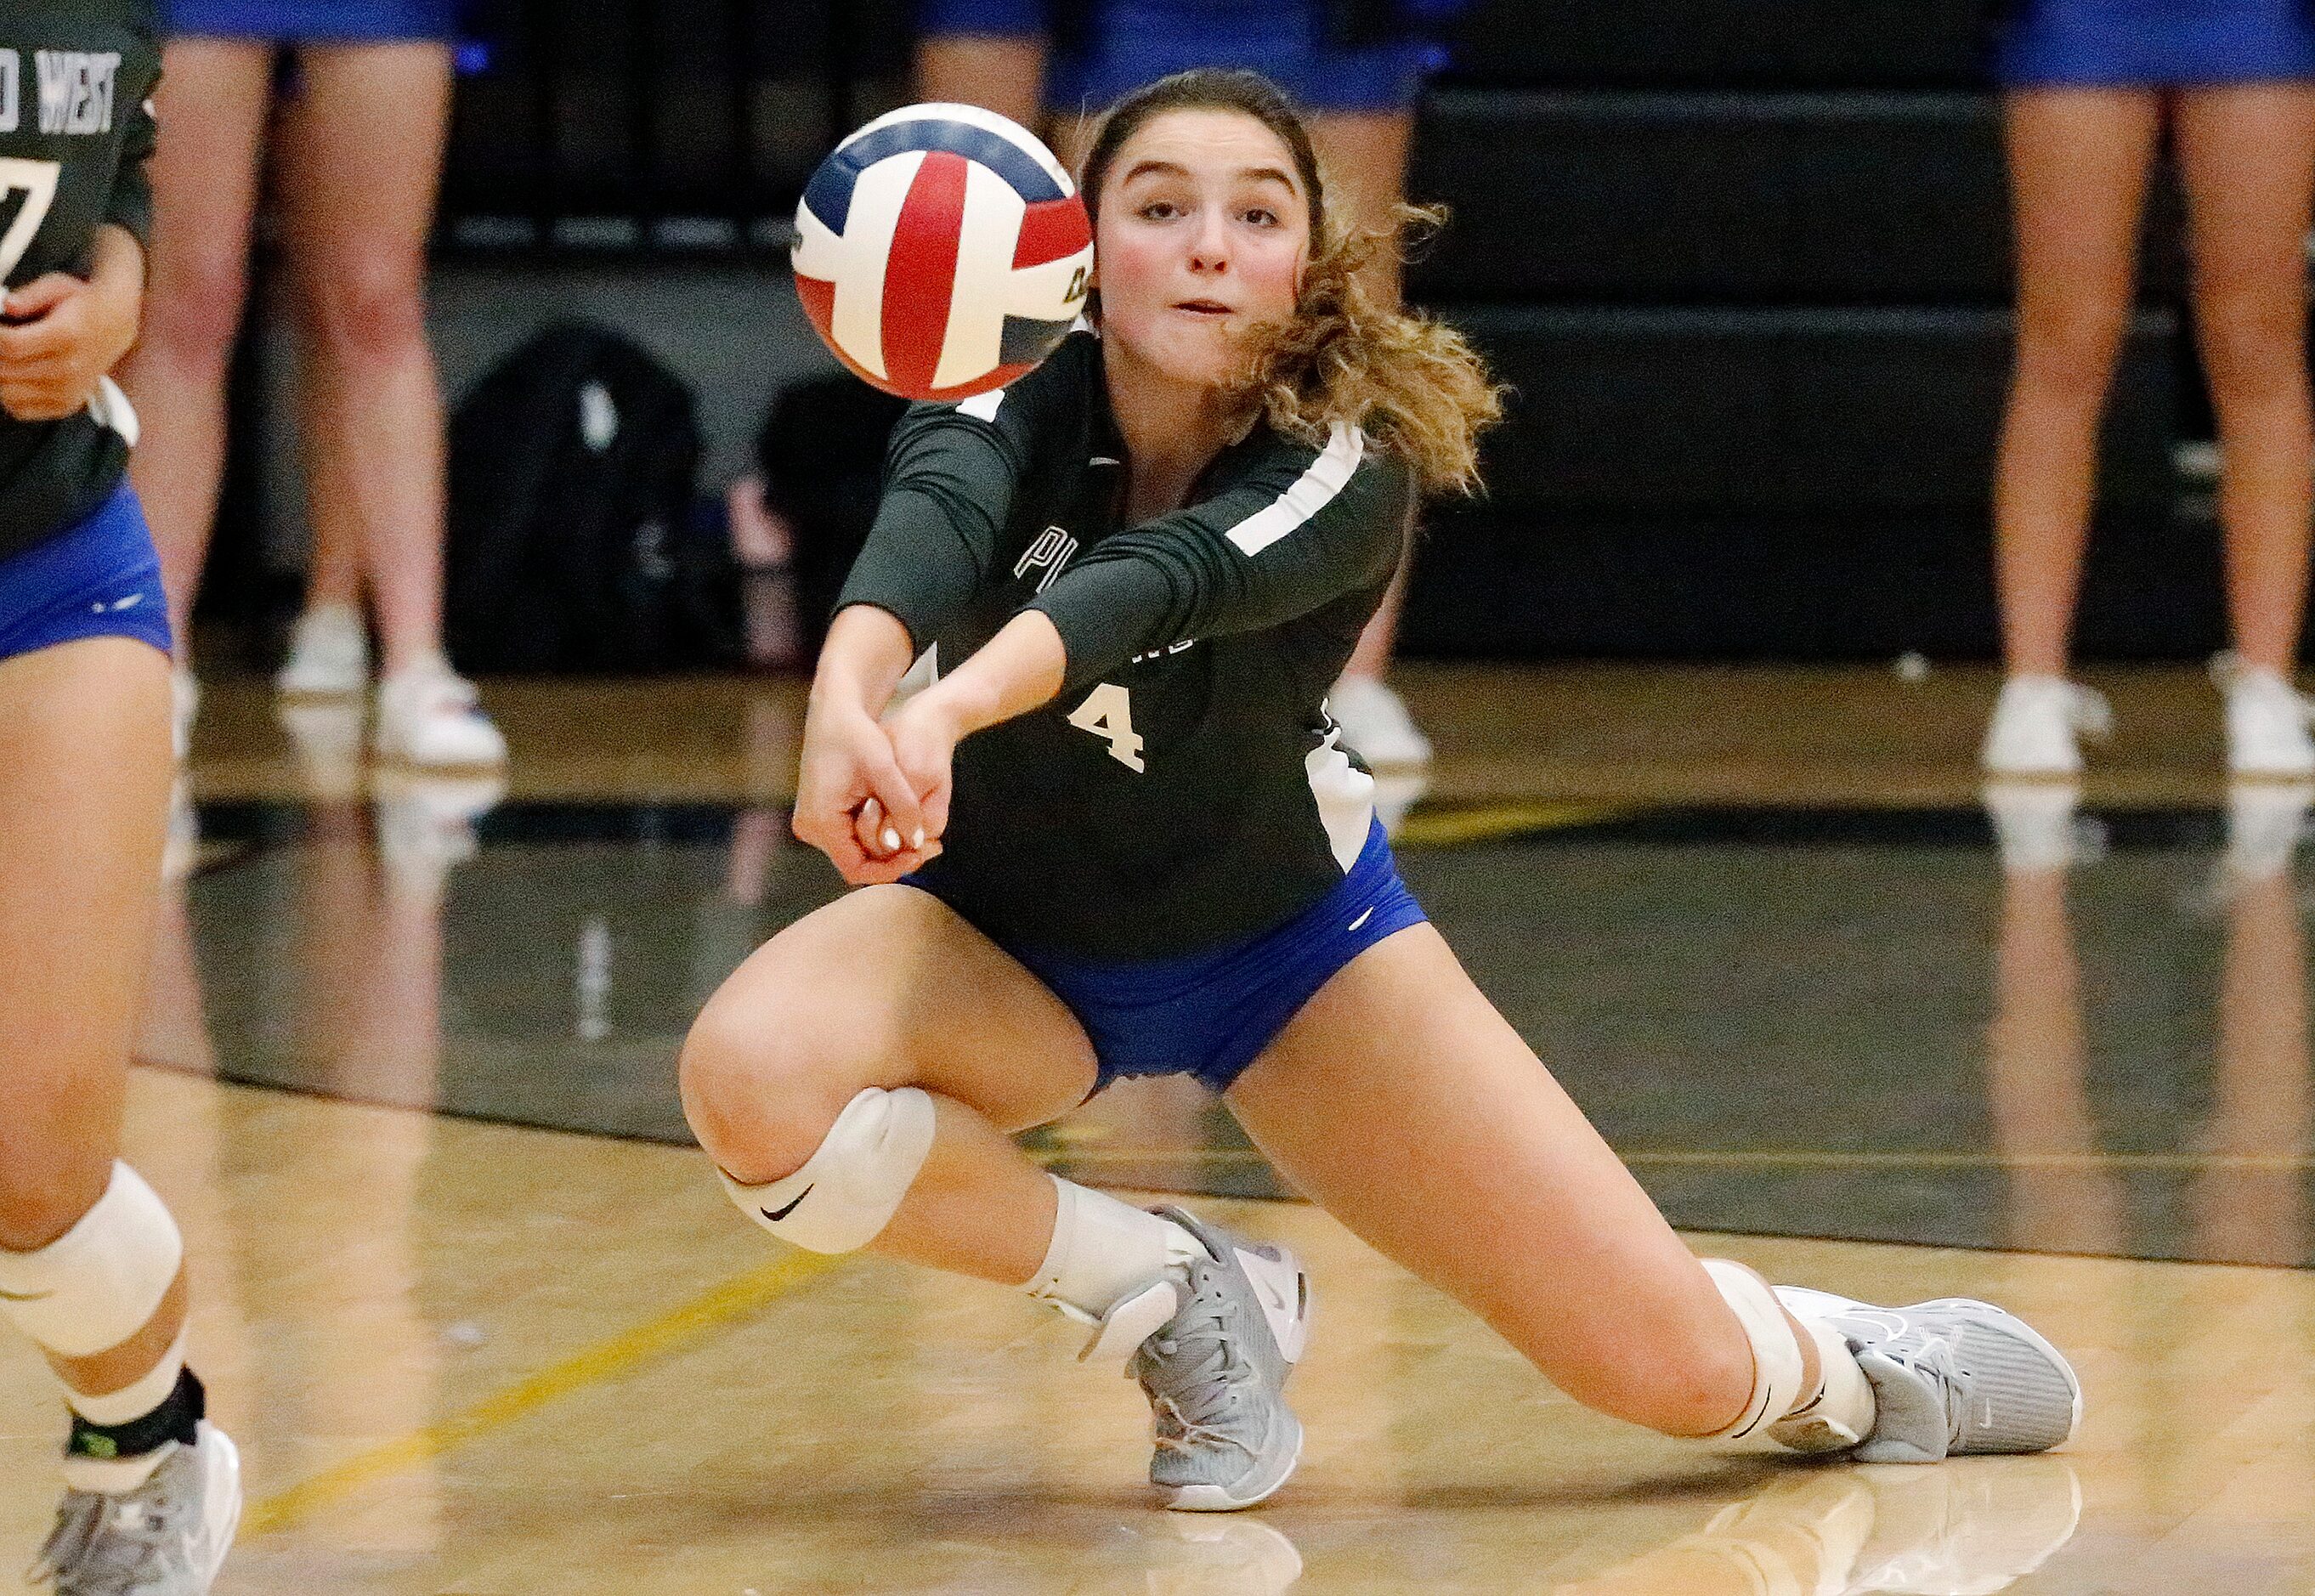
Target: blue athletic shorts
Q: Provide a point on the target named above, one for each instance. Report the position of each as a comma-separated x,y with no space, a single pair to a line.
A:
101,579
1129,43
313,22
2156,43
1211,1014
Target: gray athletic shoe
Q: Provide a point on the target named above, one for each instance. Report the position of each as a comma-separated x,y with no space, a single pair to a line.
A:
167,1538
1216,1371
1951,1377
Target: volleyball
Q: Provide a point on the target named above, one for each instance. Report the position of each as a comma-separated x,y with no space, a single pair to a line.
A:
942,251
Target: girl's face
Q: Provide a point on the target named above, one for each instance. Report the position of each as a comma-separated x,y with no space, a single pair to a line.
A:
1204,231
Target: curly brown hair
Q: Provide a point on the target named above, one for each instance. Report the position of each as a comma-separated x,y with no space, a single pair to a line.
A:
1414,383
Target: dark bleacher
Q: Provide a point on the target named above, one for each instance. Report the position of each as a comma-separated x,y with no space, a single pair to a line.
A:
1748,266
682,128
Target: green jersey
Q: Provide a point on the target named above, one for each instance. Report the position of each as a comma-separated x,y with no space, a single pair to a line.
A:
1187,789
77,79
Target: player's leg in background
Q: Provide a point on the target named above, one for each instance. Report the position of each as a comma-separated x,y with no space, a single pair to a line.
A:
213,101
361,154
2077,161
1005,74
2247,155
89,1262
1364,155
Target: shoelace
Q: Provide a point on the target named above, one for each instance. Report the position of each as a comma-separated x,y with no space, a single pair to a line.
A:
1939,1358
1204,1391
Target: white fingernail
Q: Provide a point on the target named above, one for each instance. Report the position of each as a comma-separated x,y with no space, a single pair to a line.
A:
919,838
891,840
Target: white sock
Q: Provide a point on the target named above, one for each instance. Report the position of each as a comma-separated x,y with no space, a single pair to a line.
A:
1102,1251
1844,1396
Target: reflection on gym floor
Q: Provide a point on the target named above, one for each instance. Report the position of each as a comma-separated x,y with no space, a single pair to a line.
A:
2100,1046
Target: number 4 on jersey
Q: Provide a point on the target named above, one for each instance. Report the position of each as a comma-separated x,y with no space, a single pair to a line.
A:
1108,714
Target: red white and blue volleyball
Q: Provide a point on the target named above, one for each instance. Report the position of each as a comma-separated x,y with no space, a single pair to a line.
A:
942,251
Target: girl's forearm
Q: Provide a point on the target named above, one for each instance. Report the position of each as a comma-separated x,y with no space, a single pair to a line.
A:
1019,669
866,653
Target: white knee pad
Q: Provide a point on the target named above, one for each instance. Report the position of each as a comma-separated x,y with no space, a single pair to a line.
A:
101,1281
1776,1366
847,1192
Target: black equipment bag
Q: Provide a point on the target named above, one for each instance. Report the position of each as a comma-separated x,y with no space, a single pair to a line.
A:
574,544
822,449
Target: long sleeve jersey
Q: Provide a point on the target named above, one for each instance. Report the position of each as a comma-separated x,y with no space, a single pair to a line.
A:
76,80
1187,789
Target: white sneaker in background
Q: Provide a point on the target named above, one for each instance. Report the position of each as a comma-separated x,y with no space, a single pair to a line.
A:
2267,726
184,704
2036,723
1375,725
1395,793
329,655
2034,824
427,717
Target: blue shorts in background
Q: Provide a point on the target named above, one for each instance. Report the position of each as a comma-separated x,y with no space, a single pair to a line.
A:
2156,43
313,21
1130,43
1211,1014
99,579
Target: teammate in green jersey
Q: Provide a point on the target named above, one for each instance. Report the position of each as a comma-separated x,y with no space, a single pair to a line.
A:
90,1262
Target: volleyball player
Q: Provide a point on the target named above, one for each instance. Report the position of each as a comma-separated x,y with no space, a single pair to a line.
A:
1117,835
1358,72
91,1263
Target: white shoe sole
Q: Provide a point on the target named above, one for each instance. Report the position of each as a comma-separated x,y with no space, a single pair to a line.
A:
386,761
1260,1488
306,693
2272,774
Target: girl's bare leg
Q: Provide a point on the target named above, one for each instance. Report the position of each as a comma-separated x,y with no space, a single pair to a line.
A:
213,101
1365,156
1402,1103
84,772
864,993
2077,161
361,154
2249,156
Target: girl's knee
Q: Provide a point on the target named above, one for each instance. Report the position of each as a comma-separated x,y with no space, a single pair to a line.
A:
45,1190
760,1089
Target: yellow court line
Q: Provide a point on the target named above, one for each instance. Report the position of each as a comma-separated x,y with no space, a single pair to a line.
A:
605,1360
1486,822
1773,1159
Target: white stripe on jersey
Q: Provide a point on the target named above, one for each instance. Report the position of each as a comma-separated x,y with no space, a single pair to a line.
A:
1312,492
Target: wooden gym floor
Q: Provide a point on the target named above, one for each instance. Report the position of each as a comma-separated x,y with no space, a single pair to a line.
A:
484,1326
